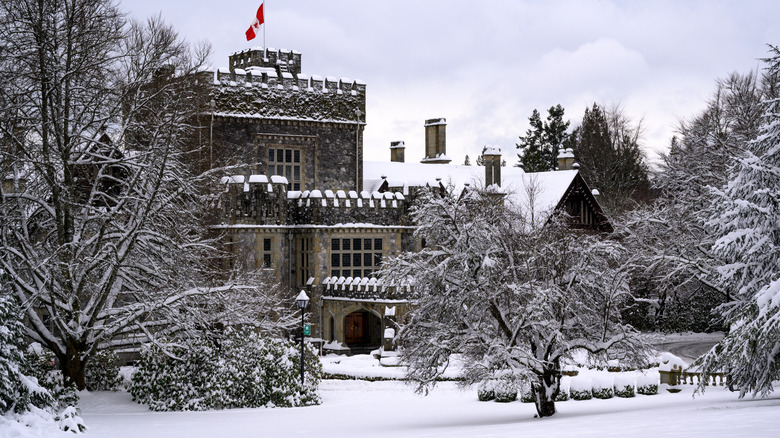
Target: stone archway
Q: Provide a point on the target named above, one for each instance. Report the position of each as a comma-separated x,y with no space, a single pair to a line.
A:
362,331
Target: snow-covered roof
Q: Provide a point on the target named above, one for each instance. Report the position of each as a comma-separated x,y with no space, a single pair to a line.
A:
538,192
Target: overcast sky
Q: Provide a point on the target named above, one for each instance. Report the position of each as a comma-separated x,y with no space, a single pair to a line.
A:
485,65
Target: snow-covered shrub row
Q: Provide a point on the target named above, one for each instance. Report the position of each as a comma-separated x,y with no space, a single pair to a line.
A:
244,370
625,385
102,373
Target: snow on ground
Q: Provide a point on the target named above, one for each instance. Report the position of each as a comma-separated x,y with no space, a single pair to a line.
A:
353,408
391,409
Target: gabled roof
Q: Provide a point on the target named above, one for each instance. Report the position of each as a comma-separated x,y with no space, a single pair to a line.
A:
539,192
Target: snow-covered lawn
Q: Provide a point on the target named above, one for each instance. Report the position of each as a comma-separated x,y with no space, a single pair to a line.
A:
392,409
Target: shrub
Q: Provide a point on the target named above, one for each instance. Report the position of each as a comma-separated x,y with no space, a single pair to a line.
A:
580,388
505,391
102,373
40,364
563,394
485,390
244,370
647,384
624,386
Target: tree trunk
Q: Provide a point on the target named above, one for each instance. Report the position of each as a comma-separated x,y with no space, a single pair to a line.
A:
73,369
546,390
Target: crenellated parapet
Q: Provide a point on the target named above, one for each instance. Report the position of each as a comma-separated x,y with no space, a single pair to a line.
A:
287,60
269,84
260,200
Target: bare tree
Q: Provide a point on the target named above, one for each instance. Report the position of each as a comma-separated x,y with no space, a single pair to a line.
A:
508,295
102,230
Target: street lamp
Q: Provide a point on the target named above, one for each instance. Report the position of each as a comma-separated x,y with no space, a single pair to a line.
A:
302,301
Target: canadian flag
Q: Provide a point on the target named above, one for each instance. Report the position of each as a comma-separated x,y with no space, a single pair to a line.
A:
250,33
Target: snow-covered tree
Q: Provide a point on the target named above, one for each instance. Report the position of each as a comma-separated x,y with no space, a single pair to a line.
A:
509,295
101,231
747,224
675,274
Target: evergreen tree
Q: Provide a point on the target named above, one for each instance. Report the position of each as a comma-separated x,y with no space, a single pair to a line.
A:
467,162
746,223
542,141
606,146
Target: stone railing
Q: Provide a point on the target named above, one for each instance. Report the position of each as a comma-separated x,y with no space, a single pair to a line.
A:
678,376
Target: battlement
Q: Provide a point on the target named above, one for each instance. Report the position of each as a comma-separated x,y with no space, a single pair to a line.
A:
260,200
286,60
263,92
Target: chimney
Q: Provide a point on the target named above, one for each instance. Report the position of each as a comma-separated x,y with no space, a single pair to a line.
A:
397,151
436,141
565,159
492,160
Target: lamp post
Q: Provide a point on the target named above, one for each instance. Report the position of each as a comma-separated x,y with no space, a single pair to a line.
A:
302,301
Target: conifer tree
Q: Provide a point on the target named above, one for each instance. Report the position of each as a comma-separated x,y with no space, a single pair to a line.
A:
746,223
541,143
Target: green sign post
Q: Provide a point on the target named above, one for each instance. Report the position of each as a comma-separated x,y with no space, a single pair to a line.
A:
307,330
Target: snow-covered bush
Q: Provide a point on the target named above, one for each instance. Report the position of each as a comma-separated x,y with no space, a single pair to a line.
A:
243,370
625,386
486,390
17,390
505,390
580,388
28,380
40,364
102,372
602,388
563,395
647,384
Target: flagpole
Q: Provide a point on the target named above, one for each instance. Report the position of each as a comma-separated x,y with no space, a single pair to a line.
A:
265,50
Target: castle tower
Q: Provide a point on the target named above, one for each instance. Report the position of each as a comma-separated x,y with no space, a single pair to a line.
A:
436,141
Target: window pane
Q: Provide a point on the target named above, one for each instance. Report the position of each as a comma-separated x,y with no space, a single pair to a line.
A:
288,156
296,173
356,259
271,169
297,156
280,155
335,261
345,244
346,273
270,155
267,260
335,244
288,172
346,260
377,259
335,273
377,244
367,259
297,186
356,244
266,244
279,170
356,272
367,244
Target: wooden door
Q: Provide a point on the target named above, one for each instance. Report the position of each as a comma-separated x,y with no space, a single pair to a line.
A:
355,328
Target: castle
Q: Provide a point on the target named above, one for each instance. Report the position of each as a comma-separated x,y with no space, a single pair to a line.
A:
312,212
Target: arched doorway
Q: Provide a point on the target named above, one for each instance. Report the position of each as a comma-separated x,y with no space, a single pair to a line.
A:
362,331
